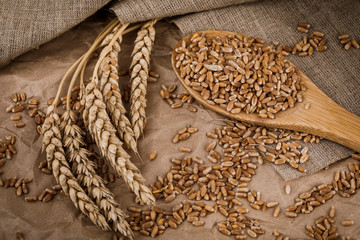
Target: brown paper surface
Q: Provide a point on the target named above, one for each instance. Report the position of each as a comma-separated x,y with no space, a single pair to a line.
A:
37,73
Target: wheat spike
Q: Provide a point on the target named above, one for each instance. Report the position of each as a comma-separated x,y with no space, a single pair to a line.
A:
110,89
86,175
139,74
55,155
99,125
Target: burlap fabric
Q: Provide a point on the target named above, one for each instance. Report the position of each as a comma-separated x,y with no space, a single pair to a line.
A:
25,25
141,10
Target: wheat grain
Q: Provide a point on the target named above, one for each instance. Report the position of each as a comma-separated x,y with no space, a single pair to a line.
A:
99,125
55,156
347,223
152,155
139,74
304,25
223,71
303,30
86,175
355,44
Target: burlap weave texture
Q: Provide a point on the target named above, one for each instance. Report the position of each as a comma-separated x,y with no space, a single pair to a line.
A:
25,25
141,10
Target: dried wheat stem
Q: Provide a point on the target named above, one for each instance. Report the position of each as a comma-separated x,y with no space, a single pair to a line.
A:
139,74
99,125
86,175
99,37
87,55
63,80
55,155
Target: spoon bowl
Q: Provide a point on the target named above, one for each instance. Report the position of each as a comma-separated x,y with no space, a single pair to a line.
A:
323,118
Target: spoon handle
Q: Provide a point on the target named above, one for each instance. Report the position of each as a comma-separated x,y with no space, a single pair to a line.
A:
336,124
327,119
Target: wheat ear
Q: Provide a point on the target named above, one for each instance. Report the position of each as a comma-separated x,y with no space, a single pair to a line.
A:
55,155
99,125
86,175
108,69
139,74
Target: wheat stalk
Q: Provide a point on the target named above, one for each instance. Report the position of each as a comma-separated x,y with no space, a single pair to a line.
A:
139,74
110,89
109,143
55,156
86,175
99,125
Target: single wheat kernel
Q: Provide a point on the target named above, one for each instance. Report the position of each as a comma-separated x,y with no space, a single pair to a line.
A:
191,108
18,108
176,105
291,214
23,96
19,191
344,41
10,108
152,155
304,25
30,199
152,79
355,44
15,117
276,212
185,149
347,46
172,88
318,34
47,197
154,74
347,223
343,36
14,97
33,102
287,189
303,30
20,125
332,212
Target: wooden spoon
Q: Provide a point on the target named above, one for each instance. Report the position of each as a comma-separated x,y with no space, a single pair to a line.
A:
324,117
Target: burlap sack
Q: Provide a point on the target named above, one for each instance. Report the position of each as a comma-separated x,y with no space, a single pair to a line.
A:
130,11
25,25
